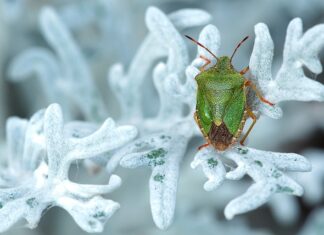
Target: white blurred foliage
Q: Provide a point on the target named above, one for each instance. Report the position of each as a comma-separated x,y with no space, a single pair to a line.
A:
3,45
13,9
313,182
64,75
205,223
100,20
285,209
314,224
40,152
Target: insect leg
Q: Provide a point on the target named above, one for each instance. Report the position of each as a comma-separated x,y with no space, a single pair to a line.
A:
257,92
202,68
203,146
251,115
244,71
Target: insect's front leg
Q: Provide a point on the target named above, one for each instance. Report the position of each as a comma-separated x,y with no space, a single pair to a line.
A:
203,146
257,92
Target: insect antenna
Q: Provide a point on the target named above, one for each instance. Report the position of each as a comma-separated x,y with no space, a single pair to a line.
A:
201,45
238,45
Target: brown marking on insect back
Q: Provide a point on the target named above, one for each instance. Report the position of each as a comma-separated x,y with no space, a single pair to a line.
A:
220,136
218,143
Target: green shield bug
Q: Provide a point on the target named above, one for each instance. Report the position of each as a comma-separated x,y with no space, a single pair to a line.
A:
221,108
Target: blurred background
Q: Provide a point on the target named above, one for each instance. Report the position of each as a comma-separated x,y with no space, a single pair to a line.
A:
110,31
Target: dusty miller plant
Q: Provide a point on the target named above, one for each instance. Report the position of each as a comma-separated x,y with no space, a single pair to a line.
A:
267,169
40,153
163,139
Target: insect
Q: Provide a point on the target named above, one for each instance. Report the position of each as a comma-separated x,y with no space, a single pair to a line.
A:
221,108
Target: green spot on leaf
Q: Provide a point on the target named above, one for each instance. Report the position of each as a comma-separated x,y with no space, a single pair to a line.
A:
259,163
157,162
156,153
156,157
284,189
31,202
159,178
99,214
91,223
75,135
1,205
276,174
242,150
212,162
165,137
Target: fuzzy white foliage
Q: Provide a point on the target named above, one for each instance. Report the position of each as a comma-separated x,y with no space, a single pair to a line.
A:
215,172
64,75
40,154
265,168
269,179
162,40
163,154
165,136
290,83
285,209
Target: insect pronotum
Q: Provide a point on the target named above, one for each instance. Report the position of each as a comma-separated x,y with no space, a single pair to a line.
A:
222,108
